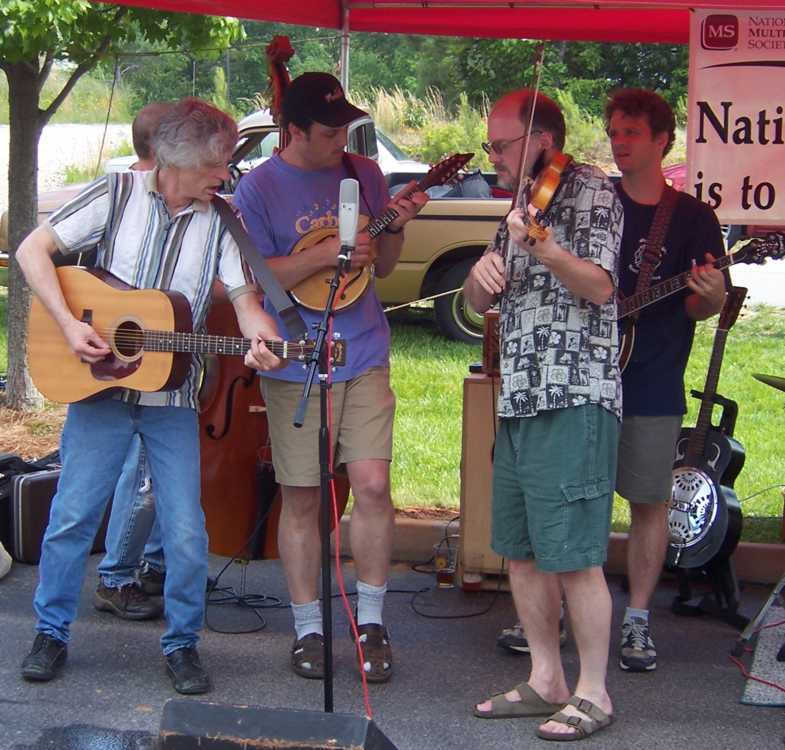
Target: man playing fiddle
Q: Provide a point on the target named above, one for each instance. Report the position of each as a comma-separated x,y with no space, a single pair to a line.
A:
641,129
559,410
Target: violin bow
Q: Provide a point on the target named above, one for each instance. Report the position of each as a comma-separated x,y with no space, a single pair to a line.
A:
523,180
539,57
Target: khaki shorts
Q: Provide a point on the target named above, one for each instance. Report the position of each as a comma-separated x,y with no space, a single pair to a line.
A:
646,452
362,427
553,487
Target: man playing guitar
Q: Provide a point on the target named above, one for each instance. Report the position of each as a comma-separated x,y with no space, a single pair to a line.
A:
154,230
640,126
292,193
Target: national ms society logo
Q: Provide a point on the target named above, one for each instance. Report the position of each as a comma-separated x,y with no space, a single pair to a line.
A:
719,31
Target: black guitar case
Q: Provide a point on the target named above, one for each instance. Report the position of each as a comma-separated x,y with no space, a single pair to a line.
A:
26,492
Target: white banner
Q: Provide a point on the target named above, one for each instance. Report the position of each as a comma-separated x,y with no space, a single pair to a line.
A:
736,115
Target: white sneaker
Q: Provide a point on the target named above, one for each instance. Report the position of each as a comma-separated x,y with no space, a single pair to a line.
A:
5,561
514,638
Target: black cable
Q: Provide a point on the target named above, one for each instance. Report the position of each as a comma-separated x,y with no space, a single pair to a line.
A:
255,602
419,566
760,492
251,602
461,615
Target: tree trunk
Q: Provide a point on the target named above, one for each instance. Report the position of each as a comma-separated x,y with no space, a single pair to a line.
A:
25,131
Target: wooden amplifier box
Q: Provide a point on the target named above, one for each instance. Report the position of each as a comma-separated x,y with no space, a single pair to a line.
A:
475,557
490,343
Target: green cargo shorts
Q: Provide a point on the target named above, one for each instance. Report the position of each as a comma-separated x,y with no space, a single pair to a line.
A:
553,487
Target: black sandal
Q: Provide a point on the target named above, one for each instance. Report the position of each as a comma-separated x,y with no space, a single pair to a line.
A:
308,656
377,652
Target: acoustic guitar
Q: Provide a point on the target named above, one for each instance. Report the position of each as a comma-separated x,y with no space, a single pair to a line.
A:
148,330
704,515
312,292
755,251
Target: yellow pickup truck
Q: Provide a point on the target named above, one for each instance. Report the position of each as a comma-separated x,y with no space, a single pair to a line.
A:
440,246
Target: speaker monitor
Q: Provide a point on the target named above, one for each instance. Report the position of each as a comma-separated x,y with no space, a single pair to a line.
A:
189,724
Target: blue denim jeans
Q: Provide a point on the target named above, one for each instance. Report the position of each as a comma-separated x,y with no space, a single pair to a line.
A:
96,439
133,532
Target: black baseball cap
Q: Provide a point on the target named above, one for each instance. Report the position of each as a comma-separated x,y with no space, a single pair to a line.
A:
318,97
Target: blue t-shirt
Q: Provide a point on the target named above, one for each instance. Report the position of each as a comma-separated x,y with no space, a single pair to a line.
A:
653,381
281,203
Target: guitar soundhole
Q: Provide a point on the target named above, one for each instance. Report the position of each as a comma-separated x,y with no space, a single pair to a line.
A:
128,340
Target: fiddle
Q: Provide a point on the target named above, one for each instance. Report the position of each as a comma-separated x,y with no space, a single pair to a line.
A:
536,194
540,193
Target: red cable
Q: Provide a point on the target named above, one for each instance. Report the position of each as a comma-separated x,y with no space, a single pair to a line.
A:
751,676
748,675
337,524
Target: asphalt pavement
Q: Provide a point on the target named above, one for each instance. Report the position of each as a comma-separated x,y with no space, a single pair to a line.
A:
112,691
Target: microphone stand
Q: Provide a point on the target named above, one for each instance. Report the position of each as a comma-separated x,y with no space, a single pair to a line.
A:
318,361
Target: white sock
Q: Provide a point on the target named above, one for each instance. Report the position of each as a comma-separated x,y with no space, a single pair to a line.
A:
370,600
307,618
638,614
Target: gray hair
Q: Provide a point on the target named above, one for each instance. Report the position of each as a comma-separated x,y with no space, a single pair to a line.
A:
194,133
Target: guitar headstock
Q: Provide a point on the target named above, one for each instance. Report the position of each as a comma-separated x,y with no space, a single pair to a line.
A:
444,171
758,250
338,353
732,307
303,351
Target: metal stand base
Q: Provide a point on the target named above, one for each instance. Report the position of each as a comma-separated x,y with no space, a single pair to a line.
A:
754,623
722,603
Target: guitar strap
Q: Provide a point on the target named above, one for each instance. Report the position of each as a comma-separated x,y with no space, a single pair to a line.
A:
654,249
349,166
280,300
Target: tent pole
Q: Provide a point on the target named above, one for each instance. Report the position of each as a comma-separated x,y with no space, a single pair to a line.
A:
344,62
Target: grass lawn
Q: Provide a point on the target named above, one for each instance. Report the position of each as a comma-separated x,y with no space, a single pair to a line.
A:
428,372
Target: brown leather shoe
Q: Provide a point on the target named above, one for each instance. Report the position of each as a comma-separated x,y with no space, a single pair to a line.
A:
307,656
375,640
128,602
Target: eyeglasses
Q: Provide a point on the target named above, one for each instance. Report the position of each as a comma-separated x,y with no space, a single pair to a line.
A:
500,145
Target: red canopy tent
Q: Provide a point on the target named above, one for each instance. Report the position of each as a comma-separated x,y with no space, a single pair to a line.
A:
591,20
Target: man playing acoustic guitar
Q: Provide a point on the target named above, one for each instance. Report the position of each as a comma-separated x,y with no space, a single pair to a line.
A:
154,230
640,127
559,409
281,201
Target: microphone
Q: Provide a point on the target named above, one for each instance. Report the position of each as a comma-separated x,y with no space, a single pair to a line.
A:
348,216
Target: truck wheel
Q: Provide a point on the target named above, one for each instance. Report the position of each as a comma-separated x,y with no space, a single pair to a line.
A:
454,316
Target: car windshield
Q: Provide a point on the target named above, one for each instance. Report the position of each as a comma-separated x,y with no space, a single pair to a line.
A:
391,147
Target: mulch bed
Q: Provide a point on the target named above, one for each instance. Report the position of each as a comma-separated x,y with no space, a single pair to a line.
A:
31,434
35,434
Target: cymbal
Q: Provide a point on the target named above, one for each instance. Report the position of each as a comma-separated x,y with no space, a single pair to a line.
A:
772,380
